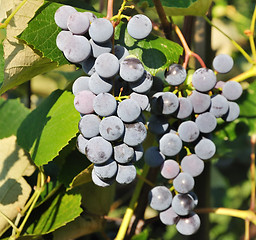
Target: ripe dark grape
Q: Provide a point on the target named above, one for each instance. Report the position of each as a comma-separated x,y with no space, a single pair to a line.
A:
99,85
153,157
192,164
206,122
175,74
104,104
126,173
185,108
170,144
83,102
78,23
183,204
80,84
200,101
88,66
232,90
158,124
204,79
100,182
160,198
183,183
106,170
188,225
223,63
62,14
144,84
188,131
81,143
205,149
219,106
89,125
63,39
169,217
135,133
128,110
170,169
233,112
120,52
100,48
123,153
141,99
107,65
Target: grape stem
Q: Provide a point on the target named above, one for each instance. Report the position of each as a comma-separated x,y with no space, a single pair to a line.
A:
188,52
245,75
133,203
239,48
251,36
6,22
110,9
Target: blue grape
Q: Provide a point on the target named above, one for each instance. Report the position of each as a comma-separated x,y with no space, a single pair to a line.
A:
183,183
169,217
128,110
107,65
185,108
106,170
100,48
120,52
126,173
99,85
188,225
232,90
88,65
78,23
62,14
144,84
192,164
206,122
104,104
158,124
200,101
100,182
183,204
111,128
223,63
80,143
233,112
101,30
170,144
89,125
80,84
63,39
170,169
131,69
90,16
219,106
205,149
204,79
123,153
98,150
138,152
188,131
153,157
135,133
139,26
141,99
83,102
160,198
175,75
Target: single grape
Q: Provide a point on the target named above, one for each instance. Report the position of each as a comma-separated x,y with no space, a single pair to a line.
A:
84,102
62,14
232,90
90,16
128,110
170,144
104,104
205,149
169,217
223,63
100,182
185,108
126,173
200,101
111,128
101,30
170,169
183,183
121,52
139,26
106,170
144,84
175,75
100,48
160,198
78,49
233,112
153,157
206,122
138,152
204,79
80,84
63,39
98,150
80,143
158,124
78,23
183,204
141,99
107,65
99,85
188,225
89,125
123,153
134,134
194,197
192,164
188,131
131,69
219,106
88,66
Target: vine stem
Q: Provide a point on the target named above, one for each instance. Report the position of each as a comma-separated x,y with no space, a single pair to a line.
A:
247,230
110,9
251,37
163,18
245,75
188,52
133,203
6,22
245,54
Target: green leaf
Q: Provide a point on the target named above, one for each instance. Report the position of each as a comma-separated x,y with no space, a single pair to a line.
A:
12,113
42,31
182,7
142,236
156,53
50,127
63,209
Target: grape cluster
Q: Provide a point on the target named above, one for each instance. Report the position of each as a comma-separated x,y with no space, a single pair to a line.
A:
194,117
112,126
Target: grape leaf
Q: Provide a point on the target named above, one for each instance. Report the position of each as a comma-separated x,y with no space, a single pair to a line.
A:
12,113
156,53
14,190
182,7
64,208
50,127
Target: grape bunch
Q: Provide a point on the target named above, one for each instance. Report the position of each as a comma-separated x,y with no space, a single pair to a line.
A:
193,115
112,126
